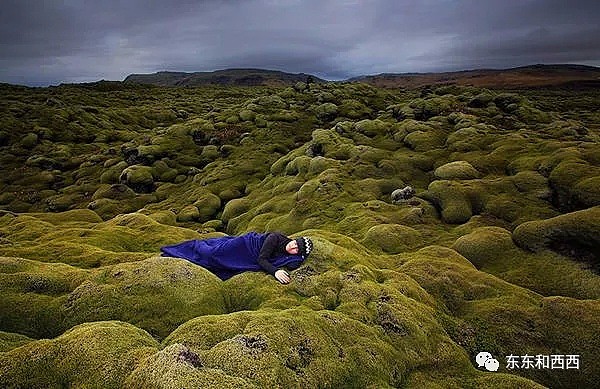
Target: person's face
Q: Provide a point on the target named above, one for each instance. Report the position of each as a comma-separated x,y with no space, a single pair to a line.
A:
292,247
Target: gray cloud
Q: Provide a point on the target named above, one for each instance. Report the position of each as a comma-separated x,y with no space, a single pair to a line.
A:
73,41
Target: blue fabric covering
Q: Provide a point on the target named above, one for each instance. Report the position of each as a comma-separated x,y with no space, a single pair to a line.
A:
228,255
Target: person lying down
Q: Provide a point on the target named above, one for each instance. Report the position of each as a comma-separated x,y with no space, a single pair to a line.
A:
230,255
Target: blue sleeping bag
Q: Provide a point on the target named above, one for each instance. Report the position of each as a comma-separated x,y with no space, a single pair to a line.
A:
228,255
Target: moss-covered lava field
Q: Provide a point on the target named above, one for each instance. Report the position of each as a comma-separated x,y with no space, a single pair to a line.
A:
497,251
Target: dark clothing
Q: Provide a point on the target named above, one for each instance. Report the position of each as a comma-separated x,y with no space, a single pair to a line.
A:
230,255
273,246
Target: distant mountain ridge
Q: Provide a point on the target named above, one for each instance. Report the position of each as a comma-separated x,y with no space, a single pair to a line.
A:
524,76
532,75
240,77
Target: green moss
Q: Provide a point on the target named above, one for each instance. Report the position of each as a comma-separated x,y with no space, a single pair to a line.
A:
531,181
581,316
164,217
188,213
10,340
234,208
453,202
485,244
173,291
209,153
112,350
372,128
177,366
319,164
298,165
353,109
465,140
293,347
332,145
108,208
573,182
482,100
492,250
392,238
457,170
586,191
114,192
424,109
576,230
366,309
163,172
73,216
229,194
207,204
326,111
507,101
29,141
112,174
424,141
137,177
123,238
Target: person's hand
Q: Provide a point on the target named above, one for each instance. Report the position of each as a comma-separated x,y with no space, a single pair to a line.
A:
282,276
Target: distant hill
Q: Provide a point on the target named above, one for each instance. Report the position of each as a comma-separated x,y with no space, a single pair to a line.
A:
239,77
525,76
528,76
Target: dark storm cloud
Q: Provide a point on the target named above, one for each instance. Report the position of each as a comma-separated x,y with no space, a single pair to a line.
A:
45,42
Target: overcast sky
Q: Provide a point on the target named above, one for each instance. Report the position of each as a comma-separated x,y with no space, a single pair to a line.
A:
46,42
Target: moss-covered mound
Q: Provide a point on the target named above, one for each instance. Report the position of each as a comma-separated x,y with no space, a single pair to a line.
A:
493,250
88,355
571,231
458,170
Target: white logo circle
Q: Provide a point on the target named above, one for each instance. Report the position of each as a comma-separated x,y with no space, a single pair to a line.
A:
485,359
492,364
482,357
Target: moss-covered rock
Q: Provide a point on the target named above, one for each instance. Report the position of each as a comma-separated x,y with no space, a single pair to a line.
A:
10,340
372,128
424,109
353,109
424,141
471,138
295,347
326,111
484,244
454,204
111,352
164,217
457,170
210,153
574,184
86,241
137,177
482,100
492,250
29,141
578,230
207,204
393,238
163,172
508,102
176,366
234,208
174,291
329,144
114,192
188,213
